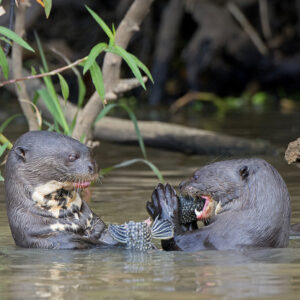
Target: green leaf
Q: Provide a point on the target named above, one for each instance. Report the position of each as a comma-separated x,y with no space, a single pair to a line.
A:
7,41
105,110
64,86
3,148
4,140
96,50
1,178
13,36
131,162
136,127
102,24
7,121
33,70
3,63
97,79
48,6
142,67
81,91
130,62
42,54
55,110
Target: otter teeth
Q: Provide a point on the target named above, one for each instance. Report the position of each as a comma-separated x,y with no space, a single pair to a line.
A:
218,208
198,213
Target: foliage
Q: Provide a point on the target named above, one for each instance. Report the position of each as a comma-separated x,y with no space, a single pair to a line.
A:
8,35
51,98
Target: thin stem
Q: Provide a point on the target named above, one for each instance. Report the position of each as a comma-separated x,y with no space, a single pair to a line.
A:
51,73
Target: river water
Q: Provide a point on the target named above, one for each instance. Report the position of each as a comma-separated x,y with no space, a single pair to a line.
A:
121,274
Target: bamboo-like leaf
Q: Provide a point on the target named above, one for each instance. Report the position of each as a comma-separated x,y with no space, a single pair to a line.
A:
96,50
130,62
81,91
102,24
13,36
136,127
134,161
54,109
7,41
3,148
3,63
7,121
106,109
1,178
97,79
42,54
4,139
142,67
48,6
64,86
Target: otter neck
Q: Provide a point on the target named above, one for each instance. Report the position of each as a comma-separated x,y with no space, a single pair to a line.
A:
58,198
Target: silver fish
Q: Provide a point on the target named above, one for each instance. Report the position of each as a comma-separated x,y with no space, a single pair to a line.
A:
139,235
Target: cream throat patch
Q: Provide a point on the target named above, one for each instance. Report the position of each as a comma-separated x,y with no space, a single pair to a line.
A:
58,198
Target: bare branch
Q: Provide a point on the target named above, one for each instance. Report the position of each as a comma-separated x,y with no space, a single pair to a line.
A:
264,19
248,28
51,73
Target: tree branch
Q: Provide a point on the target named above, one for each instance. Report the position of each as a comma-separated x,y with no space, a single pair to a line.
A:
111,67
17,67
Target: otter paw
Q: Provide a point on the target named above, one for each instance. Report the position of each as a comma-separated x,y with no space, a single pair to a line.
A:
164,203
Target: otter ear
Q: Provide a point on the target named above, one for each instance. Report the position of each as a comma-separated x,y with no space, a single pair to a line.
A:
21,153
244,172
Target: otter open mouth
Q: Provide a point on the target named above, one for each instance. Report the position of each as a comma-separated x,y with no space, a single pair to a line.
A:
198,207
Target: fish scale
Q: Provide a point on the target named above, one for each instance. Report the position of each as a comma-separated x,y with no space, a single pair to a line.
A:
187,206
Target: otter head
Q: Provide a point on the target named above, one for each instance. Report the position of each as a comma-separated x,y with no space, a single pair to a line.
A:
237,185
42,163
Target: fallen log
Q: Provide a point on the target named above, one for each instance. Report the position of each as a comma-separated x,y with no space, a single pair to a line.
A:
178,138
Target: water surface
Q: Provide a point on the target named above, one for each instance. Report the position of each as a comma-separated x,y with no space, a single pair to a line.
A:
119,274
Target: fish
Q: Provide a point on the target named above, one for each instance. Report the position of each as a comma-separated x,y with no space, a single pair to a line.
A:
138,235
188,207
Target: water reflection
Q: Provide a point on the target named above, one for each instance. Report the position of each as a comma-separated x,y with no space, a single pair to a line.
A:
72,274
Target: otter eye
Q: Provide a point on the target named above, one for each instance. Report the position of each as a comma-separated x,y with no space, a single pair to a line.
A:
195,177
73,156
244,172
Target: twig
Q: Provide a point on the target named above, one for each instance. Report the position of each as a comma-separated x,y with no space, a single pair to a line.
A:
191,96
264,19
248,28
51,73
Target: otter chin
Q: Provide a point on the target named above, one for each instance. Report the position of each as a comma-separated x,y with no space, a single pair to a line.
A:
44,174
246,204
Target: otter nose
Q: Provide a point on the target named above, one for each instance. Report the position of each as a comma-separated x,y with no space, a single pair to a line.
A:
91,168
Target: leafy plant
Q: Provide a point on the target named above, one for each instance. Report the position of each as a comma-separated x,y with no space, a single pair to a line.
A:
8,35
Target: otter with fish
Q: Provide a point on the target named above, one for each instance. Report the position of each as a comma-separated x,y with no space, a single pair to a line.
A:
43,176
245,204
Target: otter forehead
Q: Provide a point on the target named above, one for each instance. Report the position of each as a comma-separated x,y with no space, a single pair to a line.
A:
47,143
229,176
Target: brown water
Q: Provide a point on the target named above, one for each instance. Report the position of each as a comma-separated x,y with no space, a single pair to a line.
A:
120,274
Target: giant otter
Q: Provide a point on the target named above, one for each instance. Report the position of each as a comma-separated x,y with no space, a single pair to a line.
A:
247,204
43,173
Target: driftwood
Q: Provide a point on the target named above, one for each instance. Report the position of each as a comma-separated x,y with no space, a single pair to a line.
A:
292,153
178,138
